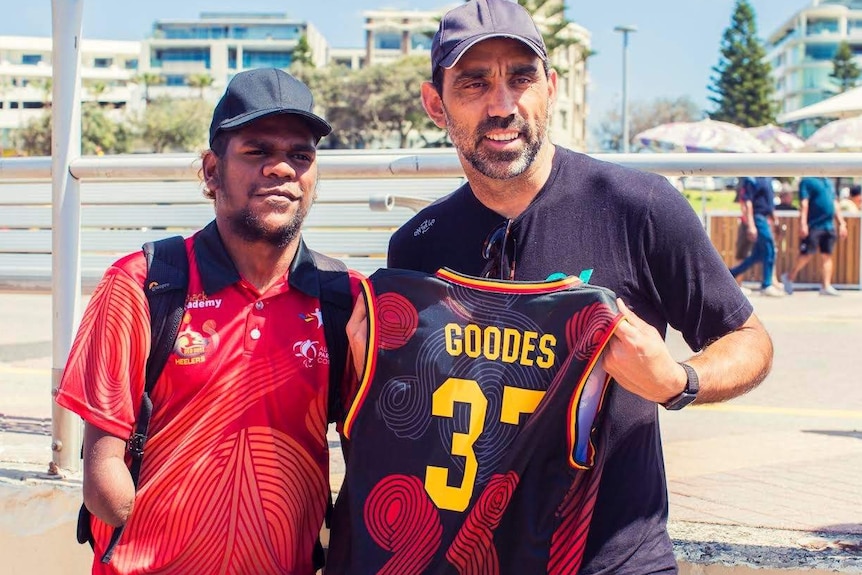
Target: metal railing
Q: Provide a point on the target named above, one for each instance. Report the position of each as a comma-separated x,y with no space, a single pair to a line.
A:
66,290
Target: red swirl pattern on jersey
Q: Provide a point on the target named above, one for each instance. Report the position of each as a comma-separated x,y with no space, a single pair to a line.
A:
208,502
586,330
473,552
402,519
399,320
576,512
117,326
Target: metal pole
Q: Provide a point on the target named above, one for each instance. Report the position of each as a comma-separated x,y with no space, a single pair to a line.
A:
66,24
625,104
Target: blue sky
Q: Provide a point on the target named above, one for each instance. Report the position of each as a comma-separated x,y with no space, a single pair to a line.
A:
671,55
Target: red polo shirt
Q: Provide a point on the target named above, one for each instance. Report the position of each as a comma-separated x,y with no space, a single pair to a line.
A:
235,476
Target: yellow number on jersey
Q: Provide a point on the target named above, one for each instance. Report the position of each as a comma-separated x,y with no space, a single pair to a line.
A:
454,390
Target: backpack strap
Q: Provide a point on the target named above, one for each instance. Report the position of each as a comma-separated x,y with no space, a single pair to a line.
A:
336,305
166,287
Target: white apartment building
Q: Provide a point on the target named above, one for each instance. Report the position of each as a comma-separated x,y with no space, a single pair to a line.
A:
802,48
25,77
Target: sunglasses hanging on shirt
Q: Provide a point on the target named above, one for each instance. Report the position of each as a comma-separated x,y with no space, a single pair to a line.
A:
499,253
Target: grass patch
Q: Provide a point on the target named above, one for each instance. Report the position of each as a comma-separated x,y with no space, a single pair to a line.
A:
716,201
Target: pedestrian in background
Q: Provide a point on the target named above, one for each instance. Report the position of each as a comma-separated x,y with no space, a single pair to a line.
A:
759,203
235,477
818,212
852,204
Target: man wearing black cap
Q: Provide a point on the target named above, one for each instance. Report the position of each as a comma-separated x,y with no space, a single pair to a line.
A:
560,213
235,474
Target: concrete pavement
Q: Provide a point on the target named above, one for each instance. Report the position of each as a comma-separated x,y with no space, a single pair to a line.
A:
771,480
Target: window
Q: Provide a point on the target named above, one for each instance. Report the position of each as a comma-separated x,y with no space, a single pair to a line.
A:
387,40
174,80
822,26
33,105
265,59
31,59
420,41
231,58
131,64
103,62
181,55
820,52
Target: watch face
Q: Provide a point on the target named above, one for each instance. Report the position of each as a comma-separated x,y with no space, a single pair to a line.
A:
680,401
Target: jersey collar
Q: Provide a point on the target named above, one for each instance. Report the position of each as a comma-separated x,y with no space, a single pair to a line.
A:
217,270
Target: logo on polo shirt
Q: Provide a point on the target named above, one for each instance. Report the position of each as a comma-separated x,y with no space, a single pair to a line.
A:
315,315
201,301
191,346
311,352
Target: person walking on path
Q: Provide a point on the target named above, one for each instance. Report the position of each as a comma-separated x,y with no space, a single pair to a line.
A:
818,212
531,211
235,477
758,196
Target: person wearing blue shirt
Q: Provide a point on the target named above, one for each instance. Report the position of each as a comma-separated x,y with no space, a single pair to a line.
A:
818,210
758,196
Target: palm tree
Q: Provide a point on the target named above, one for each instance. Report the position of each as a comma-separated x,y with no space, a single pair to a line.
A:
149,79
97,88
200,81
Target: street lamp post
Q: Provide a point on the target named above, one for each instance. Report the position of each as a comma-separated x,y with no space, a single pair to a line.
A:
625,30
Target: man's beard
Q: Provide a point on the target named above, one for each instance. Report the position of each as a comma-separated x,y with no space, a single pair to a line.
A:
499,165
250,228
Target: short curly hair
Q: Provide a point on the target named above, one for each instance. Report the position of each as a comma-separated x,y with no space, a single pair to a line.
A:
218,148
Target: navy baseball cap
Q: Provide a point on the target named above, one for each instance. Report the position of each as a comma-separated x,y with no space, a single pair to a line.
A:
261,92
463,27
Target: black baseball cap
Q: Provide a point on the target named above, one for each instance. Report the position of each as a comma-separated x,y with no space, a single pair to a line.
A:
261,92
463,27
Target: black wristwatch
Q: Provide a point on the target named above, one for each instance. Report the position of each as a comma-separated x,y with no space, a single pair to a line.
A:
689,394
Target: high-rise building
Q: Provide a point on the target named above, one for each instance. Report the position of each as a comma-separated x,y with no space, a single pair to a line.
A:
801,51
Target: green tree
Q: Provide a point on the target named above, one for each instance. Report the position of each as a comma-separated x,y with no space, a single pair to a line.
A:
201,82
845,71
392,107
99,134
378,106
97,89
174,125
34,137
302,53
742,86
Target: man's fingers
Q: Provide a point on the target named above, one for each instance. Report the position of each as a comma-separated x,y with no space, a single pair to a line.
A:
629,315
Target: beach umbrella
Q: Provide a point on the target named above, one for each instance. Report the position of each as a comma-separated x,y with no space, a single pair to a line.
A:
703,136
776,138
838,136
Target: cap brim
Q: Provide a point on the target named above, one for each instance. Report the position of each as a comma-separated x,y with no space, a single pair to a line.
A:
319,127
452,57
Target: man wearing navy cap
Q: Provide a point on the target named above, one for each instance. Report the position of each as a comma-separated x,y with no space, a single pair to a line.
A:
235,474
530,211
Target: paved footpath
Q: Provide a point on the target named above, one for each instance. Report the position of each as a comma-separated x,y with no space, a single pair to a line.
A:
771,480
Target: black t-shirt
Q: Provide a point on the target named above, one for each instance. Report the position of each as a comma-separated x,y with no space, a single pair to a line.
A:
643,241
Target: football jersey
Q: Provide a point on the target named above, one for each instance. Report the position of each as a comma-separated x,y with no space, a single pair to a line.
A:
474,438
